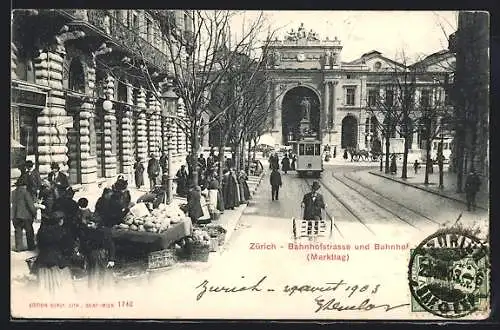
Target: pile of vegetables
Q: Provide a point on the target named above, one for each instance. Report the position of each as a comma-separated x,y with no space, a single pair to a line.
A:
201,237
158,221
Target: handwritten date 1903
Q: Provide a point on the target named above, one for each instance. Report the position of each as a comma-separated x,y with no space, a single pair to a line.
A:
365,305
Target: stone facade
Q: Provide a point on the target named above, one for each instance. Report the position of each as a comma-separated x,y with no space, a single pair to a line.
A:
73,129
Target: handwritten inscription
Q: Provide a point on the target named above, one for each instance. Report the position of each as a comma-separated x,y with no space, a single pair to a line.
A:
344,290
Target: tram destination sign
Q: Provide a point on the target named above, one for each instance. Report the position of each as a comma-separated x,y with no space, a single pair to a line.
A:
28,98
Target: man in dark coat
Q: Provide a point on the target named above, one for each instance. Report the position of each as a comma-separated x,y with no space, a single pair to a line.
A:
230,191
313,203
181,179
285,164
138,173
153,171
472,184
194,204
202,162
34,180
276,183
58,180
69,207
23,212
163,162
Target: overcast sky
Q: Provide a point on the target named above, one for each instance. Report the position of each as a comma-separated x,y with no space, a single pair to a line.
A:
419,33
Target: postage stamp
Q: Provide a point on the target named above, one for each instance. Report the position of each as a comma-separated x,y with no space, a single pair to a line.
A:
448,274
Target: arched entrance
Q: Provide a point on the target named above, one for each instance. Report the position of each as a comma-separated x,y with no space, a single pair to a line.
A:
292,112
349,132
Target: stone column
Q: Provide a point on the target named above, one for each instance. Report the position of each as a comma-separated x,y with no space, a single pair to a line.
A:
276,113
13,61
109,137
326,105
141,139
151,125
52,135
126,131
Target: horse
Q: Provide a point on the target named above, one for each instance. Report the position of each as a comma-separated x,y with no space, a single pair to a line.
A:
357,154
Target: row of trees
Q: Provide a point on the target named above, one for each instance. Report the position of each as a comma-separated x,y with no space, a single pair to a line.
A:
216,75
411,104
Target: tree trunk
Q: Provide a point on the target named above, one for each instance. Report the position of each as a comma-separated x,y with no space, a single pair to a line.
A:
460,159
387,149
428,161
195,147
249,154
404,170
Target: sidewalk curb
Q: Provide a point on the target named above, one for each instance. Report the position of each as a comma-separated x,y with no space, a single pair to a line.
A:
425,189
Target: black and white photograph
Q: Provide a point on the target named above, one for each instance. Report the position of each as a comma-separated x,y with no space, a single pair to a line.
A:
249,164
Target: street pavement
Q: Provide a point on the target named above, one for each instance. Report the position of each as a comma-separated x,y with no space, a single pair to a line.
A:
369,213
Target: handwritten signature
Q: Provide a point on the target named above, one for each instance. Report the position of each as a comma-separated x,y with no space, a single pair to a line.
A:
231,289
365,305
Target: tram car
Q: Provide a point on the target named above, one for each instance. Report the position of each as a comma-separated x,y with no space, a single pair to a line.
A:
309,159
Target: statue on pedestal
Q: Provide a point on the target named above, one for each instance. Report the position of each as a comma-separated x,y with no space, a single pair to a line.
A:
305,109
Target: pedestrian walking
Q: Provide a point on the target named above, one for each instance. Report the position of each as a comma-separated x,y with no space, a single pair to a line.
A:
335,152
313,203
164,162
229,190
345,154
285,164
416,166
276,183
23,213
472,184
153,170
294,160
138,173
393,167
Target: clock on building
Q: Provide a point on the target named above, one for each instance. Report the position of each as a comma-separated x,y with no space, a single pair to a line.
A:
301,57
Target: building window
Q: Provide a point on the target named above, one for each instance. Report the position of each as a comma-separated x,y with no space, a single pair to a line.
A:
425,98
372,97
135,22
350,92
349,76
377,66
389,97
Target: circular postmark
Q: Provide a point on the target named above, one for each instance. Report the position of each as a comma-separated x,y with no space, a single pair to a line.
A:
448,273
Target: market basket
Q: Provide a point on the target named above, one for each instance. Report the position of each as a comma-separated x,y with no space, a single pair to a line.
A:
217,232
199,252
161,259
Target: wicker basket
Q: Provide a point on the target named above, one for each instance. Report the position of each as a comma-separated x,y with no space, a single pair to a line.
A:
161,259
217,232
200,252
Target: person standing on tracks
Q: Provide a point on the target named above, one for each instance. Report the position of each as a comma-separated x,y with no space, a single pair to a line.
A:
276,183
285,164
313,203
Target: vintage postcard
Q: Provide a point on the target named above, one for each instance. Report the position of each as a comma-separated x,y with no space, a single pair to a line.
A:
197,164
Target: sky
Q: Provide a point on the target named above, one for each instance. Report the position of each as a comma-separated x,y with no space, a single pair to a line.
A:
419,33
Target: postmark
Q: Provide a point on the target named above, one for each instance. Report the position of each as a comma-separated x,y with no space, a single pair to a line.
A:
449,274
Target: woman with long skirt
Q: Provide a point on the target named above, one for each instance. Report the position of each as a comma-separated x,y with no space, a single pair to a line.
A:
244,190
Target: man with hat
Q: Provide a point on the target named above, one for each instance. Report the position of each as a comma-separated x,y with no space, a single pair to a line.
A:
23,212
472,184
34,180
313,203
58,180
153,170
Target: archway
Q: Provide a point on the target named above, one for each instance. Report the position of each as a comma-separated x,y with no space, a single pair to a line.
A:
349,132
76,76
291,112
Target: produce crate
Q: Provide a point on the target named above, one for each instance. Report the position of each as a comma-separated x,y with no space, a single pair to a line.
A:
200,252
214,244
161,259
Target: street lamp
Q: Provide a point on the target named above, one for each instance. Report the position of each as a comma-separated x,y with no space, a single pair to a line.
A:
169,110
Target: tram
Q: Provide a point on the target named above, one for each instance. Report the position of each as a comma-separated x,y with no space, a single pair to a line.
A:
309,159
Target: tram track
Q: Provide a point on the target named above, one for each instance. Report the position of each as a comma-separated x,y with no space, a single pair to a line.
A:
411,218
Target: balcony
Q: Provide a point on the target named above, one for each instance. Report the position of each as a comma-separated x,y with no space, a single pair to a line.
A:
101,22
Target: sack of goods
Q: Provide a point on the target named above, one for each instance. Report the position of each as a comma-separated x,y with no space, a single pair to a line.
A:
158,221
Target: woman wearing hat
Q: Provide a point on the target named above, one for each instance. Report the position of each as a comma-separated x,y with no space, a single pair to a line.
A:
23,213
52,262
313,203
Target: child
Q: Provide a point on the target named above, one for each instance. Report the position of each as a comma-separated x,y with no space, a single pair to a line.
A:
84,214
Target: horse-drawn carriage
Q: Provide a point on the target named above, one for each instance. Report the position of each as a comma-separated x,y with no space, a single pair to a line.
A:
362,154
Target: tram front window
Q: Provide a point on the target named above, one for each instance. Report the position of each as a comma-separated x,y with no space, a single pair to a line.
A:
309,150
